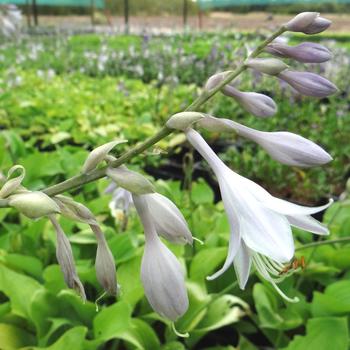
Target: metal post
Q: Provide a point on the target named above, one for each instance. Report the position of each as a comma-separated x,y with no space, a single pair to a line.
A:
92,12
35,12
185,14
28,14
126,16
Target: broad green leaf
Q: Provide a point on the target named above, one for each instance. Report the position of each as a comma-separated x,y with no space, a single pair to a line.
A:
322,333
72,339
205,261
112,321
335,300
28,264
20,290
201,193
141,335
222,312
12,337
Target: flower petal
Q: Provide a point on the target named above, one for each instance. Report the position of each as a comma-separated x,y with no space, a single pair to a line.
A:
242,264
308,223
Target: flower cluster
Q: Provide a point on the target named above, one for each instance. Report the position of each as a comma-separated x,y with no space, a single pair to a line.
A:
260,224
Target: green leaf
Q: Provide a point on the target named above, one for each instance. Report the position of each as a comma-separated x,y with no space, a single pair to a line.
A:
204,263
12,337
323,333
141,335
19,288
334,301
225,310
201,193
72,339
112,321
28,264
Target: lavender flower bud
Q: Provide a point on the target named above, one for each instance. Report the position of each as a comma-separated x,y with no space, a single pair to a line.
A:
130,180
65,259
11,185
183,120
216,79
308,23
309,84
104,265
305,52
168,220
257,104
319,25
34,204
74,210
161,274
271,66
98,155
285,147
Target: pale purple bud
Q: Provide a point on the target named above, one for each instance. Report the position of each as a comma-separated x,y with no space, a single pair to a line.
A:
309,84
65,259
308,23
74,210
168,220
271,66
305,52
104,264
319,25
257,104
285,147
161,274
216,79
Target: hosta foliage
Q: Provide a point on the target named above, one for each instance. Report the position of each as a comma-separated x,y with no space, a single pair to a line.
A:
50,122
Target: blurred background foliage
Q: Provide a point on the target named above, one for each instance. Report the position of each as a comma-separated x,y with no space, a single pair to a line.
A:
61,96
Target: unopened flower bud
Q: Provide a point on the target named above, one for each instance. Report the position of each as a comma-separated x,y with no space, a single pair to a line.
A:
257,104
285,147
11,185
161,274
216,79
304,52
65,259
98,155
74,210
130,180
104,265
34,204
183,120
271,66
213,124
309,84
168,220
308,23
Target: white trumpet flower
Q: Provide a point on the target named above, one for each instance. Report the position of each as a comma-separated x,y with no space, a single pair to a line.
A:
258,221
161,273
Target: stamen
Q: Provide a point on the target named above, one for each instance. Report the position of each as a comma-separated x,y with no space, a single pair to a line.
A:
181,335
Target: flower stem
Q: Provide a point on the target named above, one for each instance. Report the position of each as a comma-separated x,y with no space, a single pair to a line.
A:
82,179
316,244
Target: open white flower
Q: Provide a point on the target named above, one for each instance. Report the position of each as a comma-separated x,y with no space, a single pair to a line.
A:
260,223
161,273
